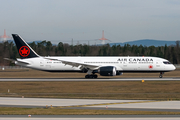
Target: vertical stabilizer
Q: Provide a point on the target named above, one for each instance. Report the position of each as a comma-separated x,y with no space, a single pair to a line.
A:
25,51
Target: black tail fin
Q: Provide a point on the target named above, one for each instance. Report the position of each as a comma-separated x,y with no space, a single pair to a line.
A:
25,51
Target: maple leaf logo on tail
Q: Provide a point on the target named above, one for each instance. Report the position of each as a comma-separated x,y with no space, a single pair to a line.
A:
24,51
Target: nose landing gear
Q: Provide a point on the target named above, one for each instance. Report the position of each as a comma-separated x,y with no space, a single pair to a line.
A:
161,74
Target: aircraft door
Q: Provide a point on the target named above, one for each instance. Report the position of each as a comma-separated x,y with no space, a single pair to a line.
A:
125,65
158,64
42,63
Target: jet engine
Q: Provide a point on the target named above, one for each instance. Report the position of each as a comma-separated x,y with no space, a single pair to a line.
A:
107,71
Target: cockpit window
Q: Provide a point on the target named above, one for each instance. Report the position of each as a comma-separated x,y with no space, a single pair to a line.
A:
166,62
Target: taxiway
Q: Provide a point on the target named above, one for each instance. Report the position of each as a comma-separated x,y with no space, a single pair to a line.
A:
98,104
99,79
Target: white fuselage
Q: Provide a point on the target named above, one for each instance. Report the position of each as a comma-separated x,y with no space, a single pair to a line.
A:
124,64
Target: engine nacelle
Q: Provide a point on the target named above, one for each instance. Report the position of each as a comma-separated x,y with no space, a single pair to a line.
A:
107,71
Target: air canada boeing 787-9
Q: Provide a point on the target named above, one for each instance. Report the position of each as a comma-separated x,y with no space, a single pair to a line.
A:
105,66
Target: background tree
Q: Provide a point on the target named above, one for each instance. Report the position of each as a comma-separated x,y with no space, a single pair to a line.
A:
46,48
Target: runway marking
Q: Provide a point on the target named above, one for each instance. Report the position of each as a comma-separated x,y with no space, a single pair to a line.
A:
105,104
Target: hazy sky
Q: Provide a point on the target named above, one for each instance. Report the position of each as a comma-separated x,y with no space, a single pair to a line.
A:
62,20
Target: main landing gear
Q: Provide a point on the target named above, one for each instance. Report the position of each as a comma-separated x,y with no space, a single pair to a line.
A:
91,76
161,74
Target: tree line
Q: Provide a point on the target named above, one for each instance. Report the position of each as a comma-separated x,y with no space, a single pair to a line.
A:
46,48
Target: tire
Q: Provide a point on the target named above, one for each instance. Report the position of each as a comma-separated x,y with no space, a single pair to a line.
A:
95,76
87,76
91,76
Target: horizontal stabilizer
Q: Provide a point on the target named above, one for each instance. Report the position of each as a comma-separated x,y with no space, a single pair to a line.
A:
12,60
17,61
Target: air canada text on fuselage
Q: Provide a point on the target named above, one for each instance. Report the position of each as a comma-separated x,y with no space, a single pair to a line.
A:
135,59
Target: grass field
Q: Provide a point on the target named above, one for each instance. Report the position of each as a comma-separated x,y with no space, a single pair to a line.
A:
156,90
57,111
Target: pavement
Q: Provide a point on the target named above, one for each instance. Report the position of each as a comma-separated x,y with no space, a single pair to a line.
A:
170,106
98,79
58,102
98,104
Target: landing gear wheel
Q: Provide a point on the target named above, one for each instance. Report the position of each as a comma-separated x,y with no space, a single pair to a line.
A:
91,76
95,76
87,76
161,74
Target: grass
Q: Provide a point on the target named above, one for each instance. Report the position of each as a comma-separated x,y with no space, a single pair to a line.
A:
149,90
57,111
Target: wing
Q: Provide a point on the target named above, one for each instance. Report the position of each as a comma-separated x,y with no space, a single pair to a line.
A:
81,65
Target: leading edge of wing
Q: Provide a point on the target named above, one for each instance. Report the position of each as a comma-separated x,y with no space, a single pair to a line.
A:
75,63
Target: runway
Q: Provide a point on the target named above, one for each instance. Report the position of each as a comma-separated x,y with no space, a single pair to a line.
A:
80,79
170,106
97,104
42,102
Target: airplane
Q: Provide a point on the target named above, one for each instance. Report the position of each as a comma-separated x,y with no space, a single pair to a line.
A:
104,66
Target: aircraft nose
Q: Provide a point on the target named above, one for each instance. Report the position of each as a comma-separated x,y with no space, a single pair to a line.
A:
173,67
